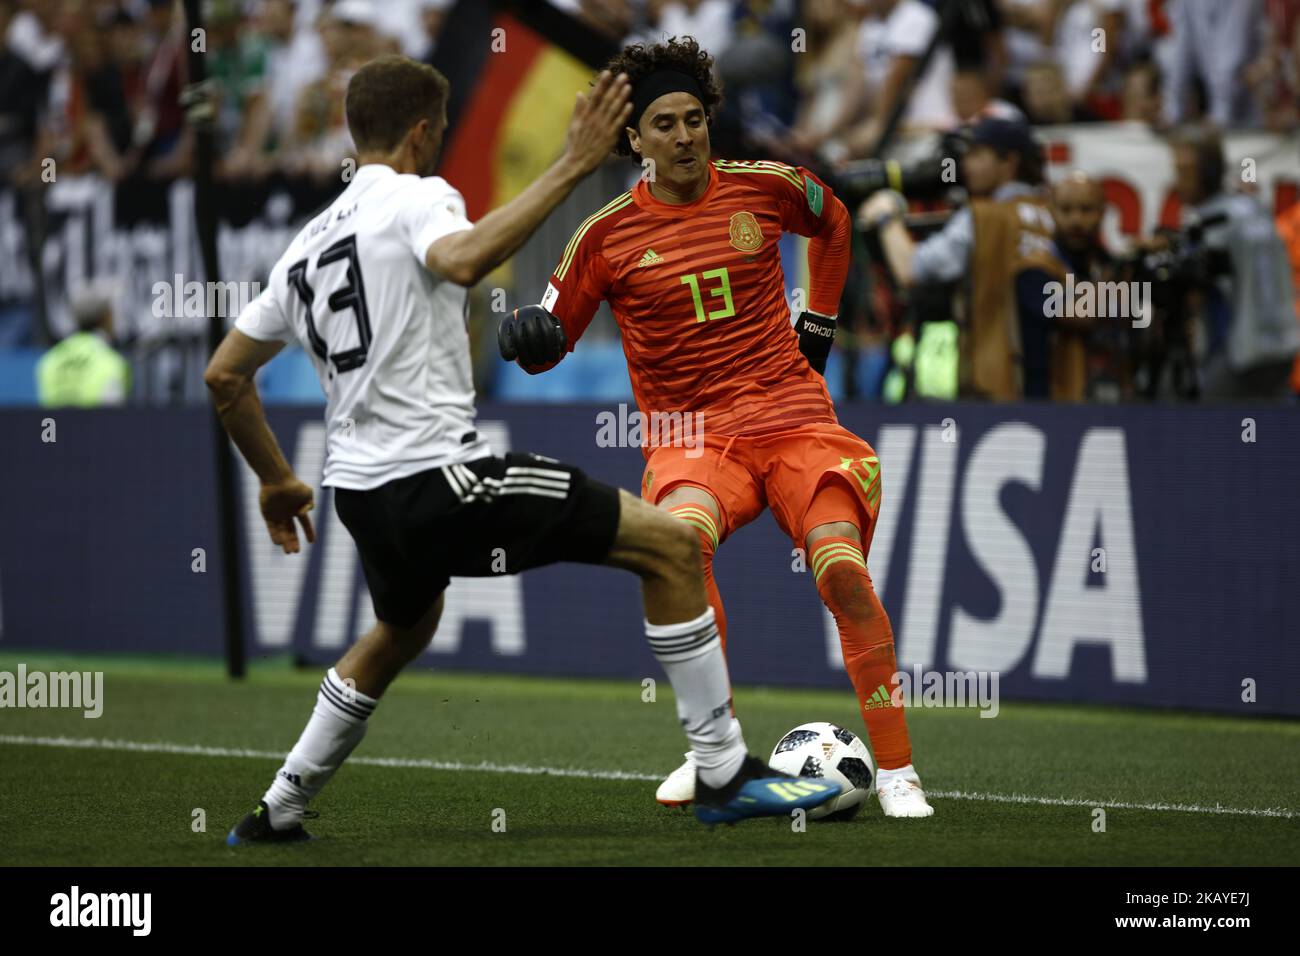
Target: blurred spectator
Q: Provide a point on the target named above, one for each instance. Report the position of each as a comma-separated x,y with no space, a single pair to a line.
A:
1246,323
1047,99
1274,76
295,58
1214,41
68,124
1028,35
1084,37
29,52
433,15
320,140
825,71
890,44
106,92
84,369
1142,92
401,25
757,68
31,34
1088,41
972,99
162,140
893,36
709,21
238,61
611,17
975,36
1148,32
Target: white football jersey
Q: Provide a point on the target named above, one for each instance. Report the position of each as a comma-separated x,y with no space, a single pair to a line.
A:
387,336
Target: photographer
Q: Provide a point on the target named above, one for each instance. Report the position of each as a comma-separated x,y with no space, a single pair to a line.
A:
1242,306
1088,358
1004,231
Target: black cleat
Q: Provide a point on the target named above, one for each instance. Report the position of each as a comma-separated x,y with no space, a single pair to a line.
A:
256,828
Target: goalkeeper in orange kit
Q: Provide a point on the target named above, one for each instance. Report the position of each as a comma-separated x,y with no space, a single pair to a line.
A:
689,264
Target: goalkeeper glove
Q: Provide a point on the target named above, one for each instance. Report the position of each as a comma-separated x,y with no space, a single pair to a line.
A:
533,336
816,333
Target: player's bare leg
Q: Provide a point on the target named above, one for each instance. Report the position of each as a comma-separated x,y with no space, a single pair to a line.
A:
682,632
347,697
372,663
697,508
837,558
664,554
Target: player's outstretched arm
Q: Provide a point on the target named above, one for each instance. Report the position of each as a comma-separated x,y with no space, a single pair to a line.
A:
229,378
467,256
828,267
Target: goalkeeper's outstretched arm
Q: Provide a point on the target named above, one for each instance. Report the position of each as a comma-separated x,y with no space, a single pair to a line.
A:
828,267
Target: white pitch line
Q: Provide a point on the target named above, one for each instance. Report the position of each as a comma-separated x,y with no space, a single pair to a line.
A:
1113,804
420,763
196,750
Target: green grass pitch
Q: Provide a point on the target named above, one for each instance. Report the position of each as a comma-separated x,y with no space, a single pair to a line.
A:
1020,788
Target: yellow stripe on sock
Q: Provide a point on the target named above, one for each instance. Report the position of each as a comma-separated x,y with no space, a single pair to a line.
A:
821,553
824,557
699,518
817,575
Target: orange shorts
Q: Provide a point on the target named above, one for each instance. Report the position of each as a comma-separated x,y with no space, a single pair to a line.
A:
784,471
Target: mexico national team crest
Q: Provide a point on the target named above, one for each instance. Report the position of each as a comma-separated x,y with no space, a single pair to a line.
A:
745,233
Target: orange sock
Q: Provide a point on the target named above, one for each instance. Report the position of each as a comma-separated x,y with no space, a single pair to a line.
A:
868,644
698,517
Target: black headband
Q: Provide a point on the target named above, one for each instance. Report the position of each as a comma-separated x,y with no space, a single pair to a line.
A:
659,83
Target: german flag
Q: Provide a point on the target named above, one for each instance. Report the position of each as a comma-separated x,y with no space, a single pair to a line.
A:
514,69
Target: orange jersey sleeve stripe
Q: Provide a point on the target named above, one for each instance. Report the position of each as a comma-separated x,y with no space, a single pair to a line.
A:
785,172
572,248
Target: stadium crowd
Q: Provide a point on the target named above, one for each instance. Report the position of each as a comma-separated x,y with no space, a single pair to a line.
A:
96,85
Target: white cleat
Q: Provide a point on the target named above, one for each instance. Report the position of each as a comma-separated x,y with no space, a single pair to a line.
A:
900,793
679,788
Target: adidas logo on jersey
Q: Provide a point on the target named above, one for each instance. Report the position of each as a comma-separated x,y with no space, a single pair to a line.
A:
651,258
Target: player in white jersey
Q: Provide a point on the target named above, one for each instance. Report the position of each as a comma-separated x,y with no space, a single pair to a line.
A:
374,290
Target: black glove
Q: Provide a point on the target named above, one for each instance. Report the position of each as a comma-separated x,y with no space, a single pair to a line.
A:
532,335
816,333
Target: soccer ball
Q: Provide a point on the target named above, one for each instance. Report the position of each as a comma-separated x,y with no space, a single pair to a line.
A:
828,752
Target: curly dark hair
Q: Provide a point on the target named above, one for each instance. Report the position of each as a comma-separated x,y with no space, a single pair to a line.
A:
676,53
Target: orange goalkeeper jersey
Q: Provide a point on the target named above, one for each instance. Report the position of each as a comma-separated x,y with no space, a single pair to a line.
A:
698,292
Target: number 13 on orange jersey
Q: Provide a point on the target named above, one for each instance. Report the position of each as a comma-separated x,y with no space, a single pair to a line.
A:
728,308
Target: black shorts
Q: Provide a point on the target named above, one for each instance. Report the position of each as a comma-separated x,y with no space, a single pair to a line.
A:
485,517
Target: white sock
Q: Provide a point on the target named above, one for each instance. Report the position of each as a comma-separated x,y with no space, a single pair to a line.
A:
337,724
691,655
906,772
